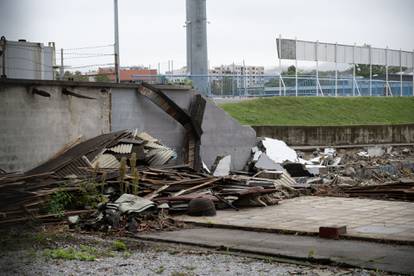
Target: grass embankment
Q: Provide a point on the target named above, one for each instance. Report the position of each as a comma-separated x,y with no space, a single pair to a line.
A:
313,111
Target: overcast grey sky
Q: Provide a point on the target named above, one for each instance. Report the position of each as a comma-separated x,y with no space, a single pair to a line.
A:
152,31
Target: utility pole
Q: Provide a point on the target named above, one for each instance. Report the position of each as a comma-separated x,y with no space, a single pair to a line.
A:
62,71
116,45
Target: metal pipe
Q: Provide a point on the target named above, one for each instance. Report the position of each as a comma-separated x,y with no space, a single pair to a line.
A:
336,69
116,45
3,46
401,80
172,71
245,80
62,71
370,70
386,72
280,65
317,67
296,70
353,71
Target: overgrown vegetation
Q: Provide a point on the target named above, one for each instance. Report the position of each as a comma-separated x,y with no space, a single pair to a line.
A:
323,111
119,246
82,254
58,202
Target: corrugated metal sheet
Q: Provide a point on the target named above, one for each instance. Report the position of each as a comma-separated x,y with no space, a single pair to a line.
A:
122,148
146,137
285,179
107,161
158,157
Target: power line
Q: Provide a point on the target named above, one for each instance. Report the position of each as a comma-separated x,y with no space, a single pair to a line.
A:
90,56
83,54
89,47
90,65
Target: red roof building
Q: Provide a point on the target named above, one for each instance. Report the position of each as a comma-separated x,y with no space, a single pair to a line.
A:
130,74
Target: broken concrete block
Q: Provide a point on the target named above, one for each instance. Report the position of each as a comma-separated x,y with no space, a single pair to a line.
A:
329,152
332,232
256,154
265,163
317,169
278,151
363,154
73,219
375,151
223,166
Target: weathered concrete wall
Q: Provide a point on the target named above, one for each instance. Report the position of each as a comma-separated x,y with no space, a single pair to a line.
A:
33,128
222,134
130,110
339,135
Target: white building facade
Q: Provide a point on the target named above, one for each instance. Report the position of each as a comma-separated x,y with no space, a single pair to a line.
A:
27,60
243,76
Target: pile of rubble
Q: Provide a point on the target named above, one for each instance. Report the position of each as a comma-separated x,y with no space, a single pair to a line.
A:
375,172
130,181
122,179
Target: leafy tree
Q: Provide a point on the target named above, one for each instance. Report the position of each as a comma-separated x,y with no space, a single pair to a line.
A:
77,76
102,78
379,70
291,71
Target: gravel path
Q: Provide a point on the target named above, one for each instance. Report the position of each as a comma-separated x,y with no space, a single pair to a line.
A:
155,259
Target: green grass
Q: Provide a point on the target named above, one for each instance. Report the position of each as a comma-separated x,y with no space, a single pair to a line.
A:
119,245
71,254
313,111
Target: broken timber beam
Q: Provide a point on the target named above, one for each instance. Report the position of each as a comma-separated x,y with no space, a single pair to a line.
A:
192,128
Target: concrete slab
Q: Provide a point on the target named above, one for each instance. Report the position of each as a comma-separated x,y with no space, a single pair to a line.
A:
364,218
377,256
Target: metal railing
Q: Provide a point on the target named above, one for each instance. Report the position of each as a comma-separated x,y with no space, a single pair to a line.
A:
266,85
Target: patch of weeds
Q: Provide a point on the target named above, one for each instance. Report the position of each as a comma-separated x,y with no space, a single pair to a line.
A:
311,254
126,254
119,246
173,252
268,260
160,270
69,254
58,203
90,196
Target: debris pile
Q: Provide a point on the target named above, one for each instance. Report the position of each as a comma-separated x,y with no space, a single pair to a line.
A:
375,172
125,179
130,181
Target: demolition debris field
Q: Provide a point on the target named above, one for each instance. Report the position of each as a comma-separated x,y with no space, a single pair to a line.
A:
327,111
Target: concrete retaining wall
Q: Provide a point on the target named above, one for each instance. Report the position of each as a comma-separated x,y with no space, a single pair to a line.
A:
339,135
33,128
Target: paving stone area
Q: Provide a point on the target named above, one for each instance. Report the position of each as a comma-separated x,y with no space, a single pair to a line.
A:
378,219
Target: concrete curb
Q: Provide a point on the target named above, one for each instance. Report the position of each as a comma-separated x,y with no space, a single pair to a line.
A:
294,232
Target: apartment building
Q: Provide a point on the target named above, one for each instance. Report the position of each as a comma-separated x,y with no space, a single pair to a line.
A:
243,76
